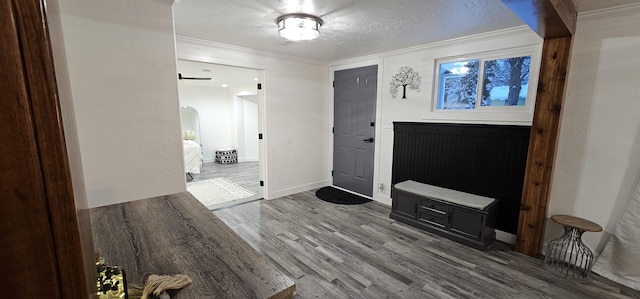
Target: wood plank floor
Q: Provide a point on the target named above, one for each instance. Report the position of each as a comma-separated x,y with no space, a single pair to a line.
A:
175,233
338,251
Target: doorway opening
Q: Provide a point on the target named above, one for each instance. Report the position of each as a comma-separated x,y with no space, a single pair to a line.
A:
226,101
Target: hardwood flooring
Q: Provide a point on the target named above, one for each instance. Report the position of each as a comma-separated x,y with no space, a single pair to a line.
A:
245,174
357,251
174,234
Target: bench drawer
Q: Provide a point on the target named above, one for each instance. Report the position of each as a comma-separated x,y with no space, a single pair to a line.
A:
433,207
431,219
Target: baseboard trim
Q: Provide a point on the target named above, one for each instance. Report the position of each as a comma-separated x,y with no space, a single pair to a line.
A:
248,159
383,199
297,189
505,237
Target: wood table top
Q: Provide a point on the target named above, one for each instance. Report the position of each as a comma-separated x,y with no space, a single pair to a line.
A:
576,222
176,234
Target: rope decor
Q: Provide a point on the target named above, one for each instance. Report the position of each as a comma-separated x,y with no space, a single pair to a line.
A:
157,285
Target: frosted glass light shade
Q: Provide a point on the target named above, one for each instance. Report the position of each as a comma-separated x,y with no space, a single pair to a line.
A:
299,27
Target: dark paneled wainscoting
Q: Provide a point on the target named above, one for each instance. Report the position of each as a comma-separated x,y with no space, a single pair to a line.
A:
487,160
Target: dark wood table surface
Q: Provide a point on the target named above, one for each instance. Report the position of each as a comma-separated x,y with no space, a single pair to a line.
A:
576,222
176,234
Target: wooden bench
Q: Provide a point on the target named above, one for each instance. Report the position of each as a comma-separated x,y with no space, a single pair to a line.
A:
462,217
176,234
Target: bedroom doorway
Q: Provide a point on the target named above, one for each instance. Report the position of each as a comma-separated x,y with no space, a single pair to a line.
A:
227,101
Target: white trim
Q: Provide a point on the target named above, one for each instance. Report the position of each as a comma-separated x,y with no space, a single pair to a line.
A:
263,162
249,159
166,2
383,199
505,237
221,46
535,51
488,119
605,13
298,189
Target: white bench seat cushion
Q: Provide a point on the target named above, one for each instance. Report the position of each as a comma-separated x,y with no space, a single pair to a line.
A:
453,196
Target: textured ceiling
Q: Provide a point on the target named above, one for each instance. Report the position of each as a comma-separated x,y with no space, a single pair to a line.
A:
352,28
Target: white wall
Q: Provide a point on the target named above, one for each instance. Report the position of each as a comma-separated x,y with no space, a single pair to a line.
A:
293,113
125,98
226,119
216,114
598,155
418,105
71,139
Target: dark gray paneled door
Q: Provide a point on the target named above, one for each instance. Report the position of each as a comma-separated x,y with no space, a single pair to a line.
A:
354,96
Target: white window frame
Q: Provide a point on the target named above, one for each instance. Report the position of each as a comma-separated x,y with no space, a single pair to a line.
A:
535,51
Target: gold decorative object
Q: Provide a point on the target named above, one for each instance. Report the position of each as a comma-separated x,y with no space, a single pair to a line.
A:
111,280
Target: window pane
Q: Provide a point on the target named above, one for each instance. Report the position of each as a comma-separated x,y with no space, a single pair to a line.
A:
505,81
458,85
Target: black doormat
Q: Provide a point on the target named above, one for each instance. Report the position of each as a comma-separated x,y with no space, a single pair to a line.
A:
333,195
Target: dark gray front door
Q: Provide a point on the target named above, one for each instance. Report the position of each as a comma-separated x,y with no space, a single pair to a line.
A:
354,128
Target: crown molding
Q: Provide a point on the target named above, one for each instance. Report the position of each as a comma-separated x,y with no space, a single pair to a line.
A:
513,31
262,53
166,2
605,13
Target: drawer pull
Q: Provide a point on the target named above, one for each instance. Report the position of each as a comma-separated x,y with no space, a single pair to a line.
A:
436,211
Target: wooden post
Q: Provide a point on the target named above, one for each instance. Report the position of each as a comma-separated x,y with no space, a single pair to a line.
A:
555,22
542,145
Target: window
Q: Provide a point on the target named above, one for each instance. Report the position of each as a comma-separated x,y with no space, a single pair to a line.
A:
459,84
482,83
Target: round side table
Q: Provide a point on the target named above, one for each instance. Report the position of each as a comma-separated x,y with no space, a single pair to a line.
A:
567,256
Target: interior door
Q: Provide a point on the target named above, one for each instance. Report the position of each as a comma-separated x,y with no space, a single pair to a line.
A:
354,128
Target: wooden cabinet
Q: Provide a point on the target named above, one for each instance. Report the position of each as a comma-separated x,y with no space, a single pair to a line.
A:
469,226
406,205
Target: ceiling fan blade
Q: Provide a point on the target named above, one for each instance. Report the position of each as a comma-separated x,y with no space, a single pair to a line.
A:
180,77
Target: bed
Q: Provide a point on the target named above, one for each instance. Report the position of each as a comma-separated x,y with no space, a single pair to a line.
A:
192,156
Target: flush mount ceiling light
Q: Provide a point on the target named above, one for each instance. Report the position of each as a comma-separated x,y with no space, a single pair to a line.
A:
299,26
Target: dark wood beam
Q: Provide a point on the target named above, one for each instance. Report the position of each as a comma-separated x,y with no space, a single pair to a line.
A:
555,22
549,18
542,145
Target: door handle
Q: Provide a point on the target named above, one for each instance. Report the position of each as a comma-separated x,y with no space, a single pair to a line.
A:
368,139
